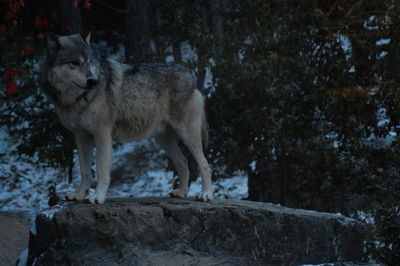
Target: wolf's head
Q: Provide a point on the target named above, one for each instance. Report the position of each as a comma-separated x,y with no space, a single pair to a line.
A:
71,64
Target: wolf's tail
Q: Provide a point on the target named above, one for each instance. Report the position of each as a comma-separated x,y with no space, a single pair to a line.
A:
204,125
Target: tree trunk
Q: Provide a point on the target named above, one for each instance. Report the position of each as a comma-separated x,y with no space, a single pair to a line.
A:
137,31
201,51
263,187
70,161
68,17
216,9
393,56
176,49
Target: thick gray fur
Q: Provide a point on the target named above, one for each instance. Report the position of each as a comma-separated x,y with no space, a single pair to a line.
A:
127,102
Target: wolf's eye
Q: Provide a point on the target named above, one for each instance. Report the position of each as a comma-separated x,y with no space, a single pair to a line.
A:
75,63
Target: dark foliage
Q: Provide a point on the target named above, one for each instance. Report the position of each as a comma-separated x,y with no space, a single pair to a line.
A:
305,94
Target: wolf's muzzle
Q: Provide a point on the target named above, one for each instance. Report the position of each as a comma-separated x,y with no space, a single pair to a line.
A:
90,82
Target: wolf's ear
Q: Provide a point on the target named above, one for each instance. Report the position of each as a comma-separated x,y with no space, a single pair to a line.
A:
88,37
53,41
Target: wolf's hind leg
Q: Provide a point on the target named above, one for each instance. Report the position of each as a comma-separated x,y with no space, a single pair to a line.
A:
191,135
168,142
85,147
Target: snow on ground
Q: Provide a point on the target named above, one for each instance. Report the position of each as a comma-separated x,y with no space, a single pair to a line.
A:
23,259
345,43
367,218
323,264
24,184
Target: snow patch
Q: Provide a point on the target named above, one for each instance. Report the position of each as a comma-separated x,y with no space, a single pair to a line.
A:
49,213
368,218
24,183
23,258
234,187
382,54
345,43
253,166
346,221
33,227
154,183
323,264
370,23
382,42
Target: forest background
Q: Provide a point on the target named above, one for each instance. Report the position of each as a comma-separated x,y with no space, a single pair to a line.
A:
304,95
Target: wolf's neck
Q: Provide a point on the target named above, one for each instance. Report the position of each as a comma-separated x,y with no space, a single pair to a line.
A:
111,74
52,93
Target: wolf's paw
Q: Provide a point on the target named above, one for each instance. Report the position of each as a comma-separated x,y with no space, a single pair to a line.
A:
205,196
178,193
75,196
96,198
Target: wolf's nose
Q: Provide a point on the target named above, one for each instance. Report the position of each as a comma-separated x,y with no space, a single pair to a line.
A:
90,82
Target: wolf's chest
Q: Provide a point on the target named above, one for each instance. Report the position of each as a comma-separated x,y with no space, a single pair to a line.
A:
77,121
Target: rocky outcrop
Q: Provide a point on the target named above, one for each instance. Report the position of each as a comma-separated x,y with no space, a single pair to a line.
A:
167,231
14,235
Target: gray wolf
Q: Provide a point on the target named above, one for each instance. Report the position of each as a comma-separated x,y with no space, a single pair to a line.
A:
101,100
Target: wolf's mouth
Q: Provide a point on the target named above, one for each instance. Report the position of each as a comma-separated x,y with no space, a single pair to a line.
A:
82,87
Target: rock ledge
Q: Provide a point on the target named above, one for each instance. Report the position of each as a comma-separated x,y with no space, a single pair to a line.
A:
167,231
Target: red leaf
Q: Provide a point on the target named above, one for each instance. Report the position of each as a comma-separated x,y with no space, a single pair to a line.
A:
12,88
87,4
3,28
65,28
10,73
45,22
74,3
39,22
28,49
15,7
8,15
41,35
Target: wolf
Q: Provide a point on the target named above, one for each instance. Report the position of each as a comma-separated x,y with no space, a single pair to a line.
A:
101,100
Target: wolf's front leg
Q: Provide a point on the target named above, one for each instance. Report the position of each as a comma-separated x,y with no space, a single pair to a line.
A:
103,142
85,146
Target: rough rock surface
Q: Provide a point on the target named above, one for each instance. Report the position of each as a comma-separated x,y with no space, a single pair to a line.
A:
167,231
14,236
